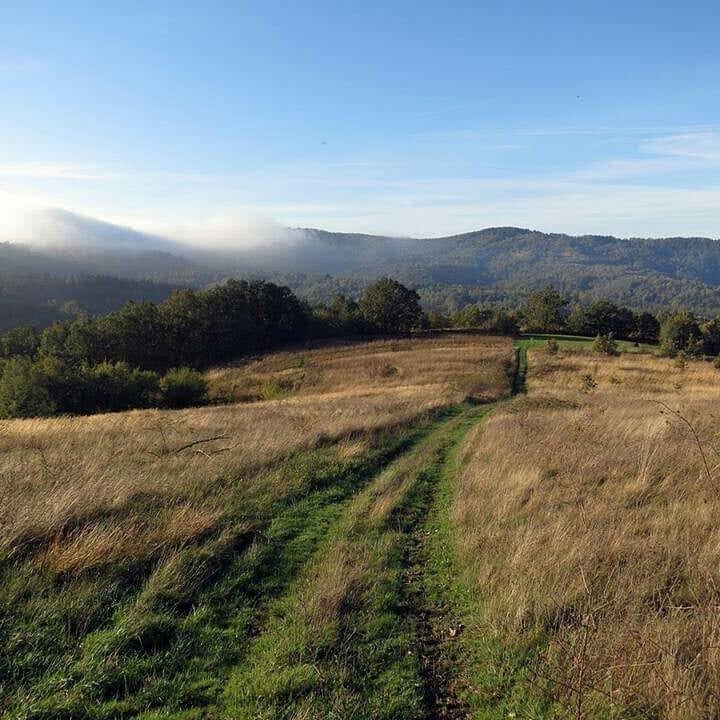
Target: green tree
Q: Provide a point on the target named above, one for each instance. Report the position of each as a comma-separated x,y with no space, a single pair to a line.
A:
646,328
503,322
390,307
342,315
605,344
471,316
22,391
603,317
680,333
546,311
711,336
23,340
437,320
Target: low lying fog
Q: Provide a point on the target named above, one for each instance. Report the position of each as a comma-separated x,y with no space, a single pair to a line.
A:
55,228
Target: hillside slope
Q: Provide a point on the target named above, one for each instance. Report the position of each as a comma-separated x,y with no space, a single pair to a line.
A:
495,264
502,263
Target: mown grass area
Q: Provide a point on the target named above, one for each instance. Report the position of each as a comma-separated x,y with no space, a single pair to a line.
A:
539,340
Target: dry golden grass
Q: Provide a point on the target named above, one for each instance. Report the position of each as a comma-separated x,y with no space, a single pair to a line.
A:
79,487
464,363
589,515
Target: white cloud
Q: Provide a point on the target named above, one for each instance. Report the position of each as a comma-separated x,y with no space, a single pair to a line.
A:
697,145
54,171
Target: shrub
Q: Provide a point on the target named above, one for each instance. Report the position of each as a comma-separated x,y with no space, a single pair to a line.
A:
552,346
22,391
183,387
276,388
588,383
116,386
605,344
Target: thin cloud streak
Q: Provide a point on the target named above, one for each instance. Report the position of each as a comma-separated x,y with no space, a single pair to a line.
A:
657,188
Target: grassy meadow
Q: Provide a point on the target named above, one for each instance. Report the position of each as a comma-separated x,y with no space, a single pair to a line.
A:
468,365
148,558
584,523
440,527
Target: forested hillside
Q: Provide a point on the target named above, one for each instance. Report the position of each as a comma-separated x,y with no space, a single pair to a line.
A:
496,265
501,264
40,300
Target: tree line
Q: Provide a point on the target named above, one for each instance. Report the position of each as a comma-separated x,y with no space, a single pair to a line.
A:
678,332
152,354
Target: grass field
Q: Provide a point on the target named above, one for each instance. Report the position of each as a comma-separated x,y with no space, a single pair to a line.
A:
585,528
182,563
352,541
577,342
465,364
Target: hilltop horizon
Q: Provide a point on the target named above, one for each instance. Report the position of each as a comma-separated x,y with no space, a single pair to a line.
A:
58,227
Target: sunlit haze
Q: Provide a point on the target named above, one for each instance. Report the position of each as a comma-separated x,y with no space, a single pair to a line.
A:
216,122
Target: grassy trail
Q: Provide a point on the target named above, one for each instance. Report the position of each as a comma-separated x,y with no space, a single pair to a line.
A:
366,630
176,629
520,368
318,596
354,635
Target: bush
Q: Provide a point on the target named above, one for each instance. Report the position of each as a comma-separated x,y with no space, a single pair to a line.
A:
115,386
183,387
22,391
680,332
605,344
552,346
276,388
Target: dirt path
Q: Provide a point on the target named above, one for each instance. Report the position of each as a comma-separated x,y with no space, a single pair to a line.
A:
436,626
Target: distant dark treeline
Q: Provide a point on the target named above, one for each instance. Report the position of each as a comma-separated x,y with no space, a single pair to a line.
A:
40,300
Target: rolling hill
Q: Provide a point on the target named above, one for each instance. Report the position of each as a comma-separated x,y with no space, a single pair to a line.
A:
495,264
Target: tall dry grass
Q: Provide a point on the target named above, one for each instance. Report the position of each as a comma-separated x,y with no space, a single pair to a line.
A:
588,515
86,489
470,364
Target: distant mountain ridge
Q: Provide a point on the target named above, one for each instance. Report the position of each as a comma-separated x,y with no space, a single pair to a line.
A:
493,264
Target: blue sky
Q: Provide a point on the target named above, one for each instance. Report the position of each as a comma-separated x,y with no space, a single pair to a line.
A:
411,118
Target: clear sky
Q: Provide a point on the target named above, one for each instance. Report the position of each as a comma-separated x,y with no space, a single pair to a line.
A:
412,118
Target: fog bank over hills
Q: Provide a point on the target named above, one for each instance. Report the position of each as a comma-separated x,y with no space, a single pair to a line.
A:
491,264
